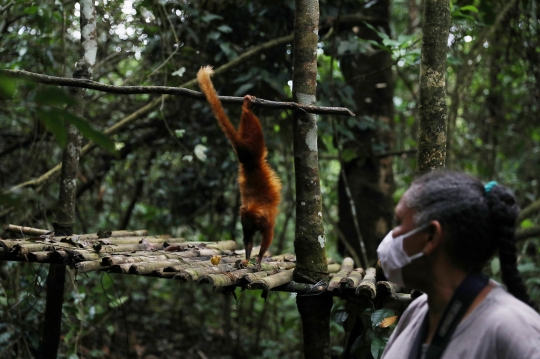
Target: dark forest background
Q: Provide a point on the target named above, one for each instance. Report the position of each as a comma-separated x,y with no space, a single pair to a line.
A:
176,174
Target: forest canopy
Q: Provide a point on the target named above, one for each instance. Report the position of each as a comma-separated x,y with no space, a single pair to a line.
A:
161,163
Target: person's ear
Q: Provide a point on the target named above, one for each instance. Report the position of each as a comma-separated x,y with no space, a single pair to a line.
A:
435,239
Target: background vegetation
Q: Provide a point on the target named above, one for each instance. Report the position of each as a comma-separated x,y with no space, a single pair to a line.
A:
175,173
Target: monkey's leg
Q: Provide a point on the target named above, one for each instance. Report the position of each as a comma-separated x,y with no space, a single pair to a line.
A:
248,245
267,237
250,132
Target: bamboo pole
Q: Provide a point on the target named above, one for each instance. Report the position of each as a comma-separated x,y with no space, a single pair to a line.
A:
346,267
89,266
147,267
353,279
25,230
272,281
195,273
225,279
334,268
368,286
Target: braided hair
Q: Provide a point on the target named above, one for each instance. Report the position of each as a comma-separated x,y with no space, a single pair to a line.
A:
477,223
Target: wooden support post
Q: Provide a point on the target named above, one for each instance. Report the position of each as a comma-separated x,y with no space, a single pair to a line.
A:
68,186
309,242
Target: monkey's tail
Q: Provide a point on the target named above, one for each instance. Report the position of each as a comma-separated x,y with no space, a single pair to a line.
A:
205,83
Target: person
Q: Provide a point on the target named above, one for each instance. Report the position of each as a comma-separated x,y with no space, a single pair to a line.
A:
448,226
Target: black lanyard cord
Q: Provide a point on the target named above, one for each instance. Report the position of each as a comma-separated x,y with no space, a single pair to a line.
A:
462,299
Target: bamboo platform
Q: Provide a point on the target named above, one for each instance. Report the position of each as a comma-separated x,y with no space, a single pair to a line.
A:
214,263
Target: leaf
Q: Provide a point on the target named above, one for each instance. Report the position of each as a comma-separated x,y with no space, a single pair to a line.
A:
53,96
70,334
531,281
388,321
528,267
118,301
179,72
228,50
348,155
340,316
377,347
179,133
242,90
527,224
381,34
55,124
470,8
224,28
253,73
495,266
379,315
7,87
9,200
209,17
200,152
214,35
87,130
357,345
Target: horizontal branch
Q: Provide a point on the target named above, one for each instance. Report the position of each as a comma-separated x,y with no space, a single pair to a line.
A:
164,90
524,233
529,211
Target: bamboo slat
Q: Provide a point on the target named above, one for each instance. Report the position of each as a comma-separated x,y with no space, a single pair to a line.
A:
272,281
353,279
224,279
148,267
367,286
346,267
134,252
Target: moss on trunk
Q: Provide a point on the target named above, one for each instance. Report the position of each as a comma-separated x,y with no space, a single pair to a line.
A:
432,110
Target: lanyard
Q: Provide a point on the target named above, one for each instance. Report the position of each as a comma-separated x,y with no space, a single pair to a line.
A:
462,299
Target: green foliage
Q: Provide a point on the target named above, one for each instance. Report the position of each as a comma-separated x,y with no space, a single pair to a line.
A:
189,187
7,87
373,338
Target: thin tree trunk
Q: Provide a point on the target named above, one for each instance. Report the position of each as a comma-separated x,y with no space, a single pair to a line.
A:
370,177
68,190
432,111
309,243
494,102
138,191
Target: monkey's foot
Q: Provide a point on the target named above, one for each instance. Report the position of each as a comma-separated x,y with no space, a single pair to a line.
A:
249,100
242,264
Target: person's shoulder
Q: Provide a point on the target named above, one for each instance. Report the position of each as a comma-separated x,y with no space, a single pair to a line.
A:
416,307
513,325
508,311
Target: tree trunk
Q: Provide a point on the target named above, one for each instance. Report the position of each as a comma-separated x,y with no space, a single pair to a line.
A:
138,190
432,111
68,188
495,106
309,243
370,178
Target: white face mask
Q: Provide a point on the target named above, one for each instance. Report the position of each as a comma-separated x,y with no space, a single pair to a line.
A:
392,256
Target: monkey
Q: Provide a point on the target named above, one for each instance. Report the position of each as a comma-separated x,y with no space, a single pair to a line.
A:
260,187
